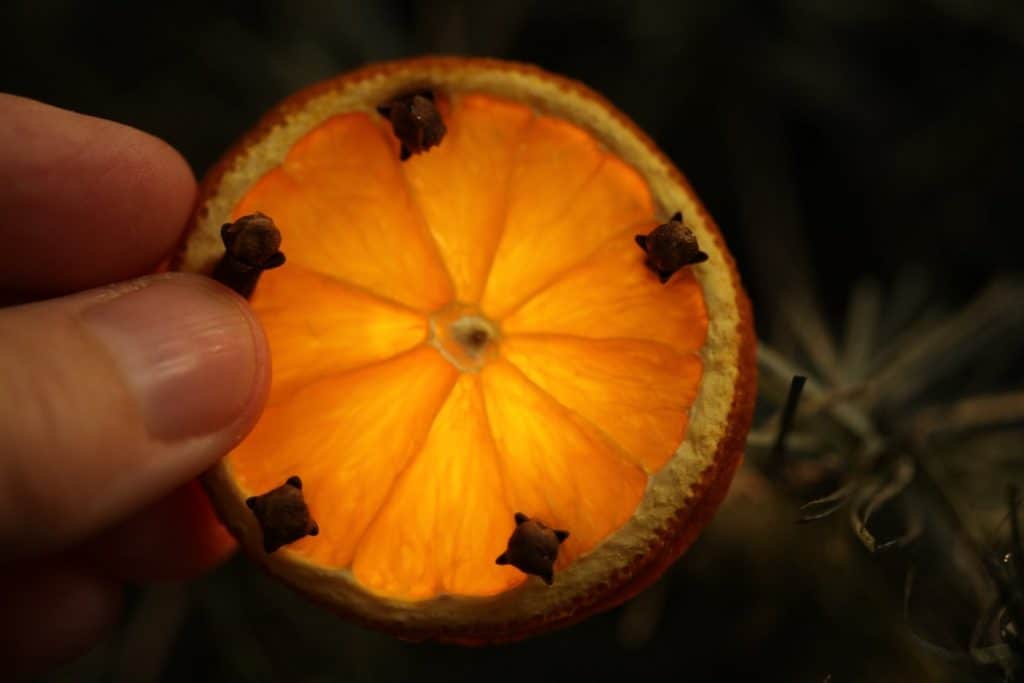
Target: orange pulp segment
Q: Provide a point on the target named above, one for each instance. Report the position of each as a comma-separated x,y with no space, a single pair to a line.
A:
417,443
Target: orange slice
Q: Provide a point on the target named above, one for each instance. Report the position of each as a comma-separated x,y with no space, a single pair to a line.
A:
470,334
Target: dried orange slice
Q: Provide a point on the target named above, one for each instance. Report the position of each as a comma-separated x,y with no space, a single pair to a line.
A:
472,334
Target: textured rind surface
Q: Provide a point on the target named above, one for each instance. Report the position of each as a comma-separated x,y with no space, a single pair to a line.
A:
681,498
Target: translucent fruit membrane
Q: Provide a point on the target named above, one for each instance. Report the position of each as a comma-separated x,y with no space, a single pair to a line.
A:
462,336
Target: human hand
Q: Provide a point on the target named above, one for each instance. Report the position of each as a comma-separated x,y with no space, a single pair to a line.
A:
113,397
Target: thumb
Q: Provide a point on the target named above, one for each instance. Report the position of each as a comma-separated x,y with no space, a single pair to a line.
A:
112,398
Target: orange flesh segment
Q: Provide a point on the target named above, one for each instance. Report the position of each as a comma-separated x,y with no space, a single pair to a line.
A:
566,197
359,431
636,392
412,468
350,214
318,326
446,521
557,467
612,295
460,186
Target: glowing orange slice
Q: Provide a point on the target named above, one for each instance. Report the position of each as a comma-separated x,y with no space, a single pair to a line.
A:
473,333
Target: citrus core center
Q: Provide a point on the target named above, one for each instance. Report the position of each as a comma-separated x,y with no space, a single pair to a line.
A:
464,336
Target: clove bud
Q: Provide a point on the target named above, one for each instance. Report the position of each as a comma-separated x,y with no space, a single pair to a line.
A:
251,245
533,548
671,246
415,121
283,515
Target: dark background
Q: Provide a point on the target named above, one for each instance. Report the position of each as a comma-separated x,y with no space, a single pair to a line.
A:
831,140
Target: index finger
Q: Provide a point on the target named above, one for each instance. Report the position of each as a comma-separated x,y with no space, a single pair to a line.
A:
83,201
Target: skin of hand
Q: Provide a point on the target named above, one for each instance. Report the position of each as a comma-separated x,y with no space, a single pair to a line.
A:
117,388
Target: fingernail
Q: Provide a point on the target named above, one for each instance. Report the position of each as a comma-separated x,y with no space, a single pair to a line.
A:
189,352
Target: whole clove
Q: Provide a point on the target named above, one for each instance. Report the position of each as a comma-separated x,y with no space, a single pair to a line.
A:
670,247
252,244
416,122
533,548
